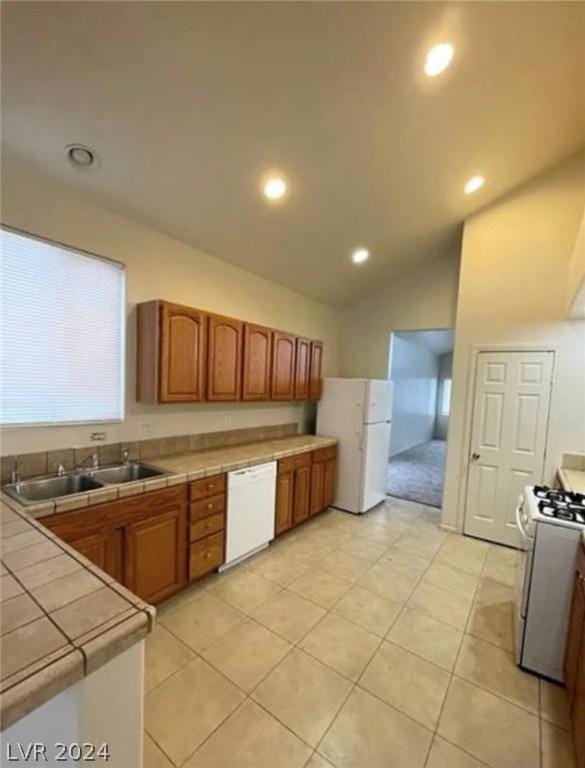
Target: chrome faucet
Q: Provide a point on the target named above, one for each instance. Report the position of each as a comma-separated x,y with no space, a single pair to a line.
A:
95,462
125,456
15,474
60,470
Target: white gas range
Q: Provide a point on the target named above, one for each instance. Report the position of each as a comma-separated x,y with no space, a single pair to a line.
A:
550,523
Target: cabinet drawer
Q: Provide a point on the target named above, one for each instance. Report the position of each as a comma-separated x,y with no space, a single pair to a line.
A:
206,507
324,454
202,528
205,555
295,462
209,486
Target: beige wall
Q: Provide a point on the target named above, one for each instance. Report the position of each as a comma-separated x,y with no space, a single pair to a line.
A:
423,300
415,372
158,267
576,279
445,372
512,293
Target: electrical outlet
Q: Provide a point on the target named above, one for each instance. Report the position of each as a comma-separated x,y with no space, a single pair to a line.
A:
98,437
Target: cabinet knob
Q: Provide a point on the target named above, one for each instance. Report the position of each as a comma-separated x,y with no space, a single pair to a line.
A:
211,485
210,506
207,555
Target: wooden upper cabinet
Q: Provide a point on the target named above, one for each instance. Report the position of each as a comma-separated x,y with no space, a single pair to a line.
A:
257,362
224,362
185,355
283,366
171,353
315,375
302,368
182,354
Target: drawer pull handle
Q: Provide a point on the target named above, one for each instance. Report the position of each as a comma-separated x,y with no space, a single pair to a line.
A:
211,485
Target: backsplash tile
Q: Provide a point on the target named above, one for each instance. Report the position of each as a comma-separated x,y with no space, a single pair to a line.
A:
64,457
29,465
110,453
82,455
42,463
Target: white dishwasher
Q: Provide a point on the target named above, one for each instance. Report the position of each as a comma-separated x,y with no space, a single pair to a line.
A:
250,511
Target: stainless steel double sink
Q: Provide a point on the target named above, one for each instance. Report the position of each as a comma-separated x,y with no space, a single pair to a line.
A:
34,491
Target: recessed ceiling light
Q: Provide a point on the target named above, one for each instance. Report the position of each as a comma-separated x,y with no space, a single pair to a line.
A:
473,184
275,188
81,156
438,59
360,255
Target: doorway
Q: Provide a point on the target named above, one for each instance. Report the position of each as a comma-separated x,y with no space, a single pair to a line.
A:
511,406
420,366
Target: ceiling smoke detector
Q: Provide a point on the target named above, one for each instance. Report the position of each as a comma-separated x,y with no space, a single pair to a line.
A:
82,157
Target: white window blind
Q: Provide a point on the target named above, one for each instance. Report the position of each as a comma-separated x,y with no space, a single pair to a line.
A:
62,334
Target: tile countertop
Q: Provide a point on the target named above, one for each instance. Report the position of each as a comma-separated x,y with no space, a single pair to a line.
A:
192,466
62,617
182,468
572,479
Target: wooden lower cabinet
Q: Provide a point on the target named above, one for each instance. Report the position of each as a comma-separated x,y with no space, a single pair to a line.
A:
330,480
575,661
317,486
206,555
305,486
95,548
156,550
284,501
140,541
207,514
302,495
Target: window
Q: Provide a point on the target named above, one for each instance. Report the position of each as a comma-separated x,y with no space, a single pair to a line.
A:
61,335
446,397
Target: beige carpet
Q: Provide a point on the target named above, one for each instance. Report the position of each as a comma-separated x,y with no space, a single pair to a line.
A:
417,474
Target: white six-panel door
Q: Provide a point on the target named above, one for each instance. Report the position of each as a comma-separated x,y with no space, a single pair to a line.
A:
510,420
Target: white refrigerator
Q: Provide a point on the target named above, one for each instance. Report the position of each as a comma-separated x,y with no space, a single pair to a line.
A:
358,413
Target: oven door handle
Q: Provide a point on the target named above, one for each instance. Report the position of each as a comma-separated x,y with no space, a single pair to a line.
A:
519,520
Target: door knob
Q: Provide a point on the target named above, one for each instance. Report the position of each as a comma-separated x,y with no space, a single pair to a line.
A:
474,456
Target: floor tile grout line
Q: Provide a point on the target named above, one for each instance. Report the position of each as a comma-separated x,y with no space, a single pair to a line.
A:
331,610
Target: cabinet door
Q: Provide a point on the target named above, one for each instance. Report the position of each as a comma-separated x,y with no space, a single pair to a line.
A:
284,501
302,493
283,366
575,637
317,487
315,380
94,547
156,551
257,362
329,482
302,369
182,364
224,362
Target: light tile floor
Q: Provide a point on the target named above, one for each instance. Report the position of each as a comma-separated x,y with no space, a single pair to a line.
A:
378,641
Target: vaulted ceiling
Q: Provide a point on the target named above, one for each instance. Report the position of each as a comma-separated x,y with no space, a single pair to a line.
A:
190,104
